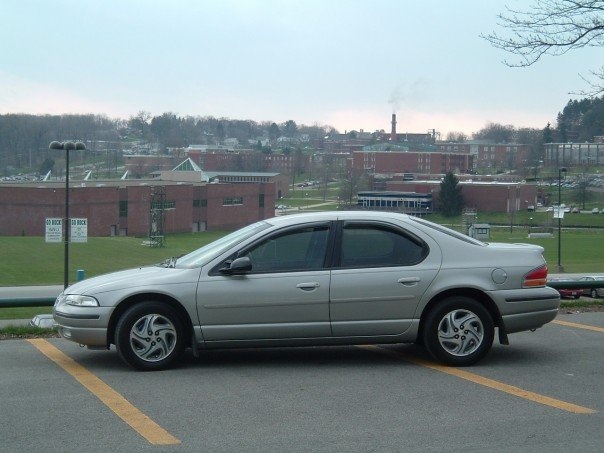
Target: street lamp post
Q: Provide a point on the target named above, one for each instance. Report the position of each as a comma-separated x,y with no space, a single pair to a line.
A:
67,146
560,214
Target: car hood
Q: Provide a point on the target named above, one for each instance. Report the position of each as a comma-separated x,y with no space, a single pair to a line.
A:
143,277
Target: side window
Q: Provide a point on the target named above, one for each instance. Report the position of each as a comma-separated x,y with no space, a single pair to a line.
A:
294,250
376,246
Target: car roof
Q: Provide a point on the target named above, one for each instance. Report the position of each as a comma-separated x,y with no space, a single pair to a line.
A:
292,219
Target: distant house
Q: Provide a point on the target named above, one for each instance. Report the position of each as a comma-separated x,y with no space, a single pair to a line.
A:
480,231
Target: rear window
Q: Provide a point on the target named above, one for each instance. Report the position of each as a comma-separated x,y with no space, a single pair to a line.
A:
368,245
448,231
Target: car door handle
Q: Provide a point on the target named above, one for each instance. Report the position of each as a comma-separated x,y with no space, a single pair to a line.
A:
308,286
409,281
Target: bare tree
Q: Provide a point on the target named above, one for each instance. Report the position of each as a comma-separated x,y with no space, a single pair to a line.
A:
552,27
457,137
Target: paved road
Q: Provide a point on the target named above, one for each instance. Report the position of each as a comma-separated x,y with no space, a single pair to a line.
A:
313,399
24,292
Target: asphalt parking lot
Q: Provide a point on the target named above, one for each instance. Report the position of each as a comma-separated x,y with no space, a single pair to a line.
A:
541,393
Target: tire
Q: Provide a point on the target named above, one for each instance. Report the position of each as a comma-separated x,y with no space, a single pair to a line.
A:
150,336
594,293
458,331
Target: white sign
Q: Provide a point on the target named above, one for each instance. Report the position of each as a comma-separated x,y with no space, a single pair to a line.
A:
558,213
79,230
54,230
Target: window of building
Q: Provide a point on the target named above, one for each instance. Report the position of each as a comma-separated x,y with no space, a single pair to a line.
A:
124,208
261,200
164,205
232,201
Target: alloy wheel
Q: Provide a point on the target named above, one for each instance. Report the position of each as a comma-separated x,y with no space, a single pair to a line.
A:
460,332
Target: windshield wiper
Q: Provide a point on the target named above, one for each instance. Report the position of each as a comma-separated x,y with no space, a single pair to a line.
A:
168,262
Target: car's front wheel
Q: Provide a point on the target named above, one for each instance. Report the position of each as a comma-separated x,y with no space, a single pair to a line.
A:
458,331
594,293
150,336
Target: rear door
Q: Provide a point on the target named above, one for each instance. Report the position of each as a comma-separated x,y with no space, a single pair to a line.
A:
380,273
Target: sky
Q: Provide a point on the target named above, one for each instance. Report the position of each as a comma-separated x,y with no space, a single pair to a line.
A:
348,64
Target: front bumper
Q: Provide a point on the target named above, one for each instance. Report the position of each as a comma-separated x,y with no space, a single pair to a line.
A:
83,325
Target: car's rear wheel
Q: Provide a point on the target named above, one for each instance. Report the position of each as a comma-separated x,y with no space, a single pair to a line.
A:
150,336
458,331
594,293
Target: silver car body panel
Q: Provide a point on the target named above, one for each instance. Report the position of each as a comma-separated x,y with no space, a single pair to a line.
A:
244,307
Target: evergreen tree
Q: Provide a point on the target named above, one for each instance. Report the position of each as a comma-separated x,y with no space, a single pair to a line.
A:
451,198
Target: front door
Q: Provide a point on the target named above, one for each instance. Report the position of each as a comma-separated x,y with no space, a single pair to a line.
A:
285,295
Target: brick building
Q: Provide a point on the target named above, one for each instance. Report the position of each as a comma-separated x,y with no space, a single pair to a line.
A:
123,207
402,161
567,154
249,160
489,155
482,196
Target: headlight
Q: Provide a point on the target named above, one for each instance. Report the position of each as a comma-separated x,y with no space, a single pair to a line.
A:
79,300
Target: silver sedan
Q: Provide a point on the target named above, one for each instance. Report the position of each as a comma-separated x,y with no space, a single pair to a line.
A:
317,279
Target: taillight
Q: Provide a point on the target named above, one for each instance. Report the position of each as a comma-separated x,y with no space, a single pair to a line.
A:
536,277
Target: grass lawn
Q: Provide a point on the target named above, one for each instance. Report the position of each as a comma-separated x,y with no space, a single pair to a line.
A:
23,312
31,261
582,251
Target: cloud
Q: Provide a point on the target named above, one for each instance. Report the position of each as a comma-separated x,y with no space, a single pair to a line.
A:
19,95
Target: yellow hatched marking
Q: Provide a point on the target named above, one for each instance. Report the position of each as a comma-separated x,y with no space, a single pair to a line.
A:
140,422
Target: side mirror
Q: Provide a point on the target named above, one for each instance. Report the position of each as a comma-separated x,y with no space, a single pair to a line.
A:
237,266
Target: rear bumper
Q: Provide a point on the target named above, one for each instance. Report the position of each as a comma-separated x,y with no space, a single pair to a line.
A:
526,309
528,321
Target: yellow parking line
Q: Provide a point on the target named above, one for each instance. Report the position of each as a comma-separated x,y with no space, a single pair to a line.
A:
142,424
578,326
491,383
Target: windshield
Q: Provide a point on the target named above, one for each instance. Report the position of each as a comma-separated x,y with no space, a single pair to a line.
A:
210,251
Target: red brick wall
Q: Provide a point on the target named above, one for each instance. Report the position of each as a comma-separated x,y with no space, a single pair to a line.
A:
412,162
482,197
220,217
23,210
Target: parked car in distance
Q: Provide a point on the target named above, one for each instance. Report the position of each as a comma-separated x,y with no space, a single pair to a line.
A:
567,293
593,292
595,211
328,278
